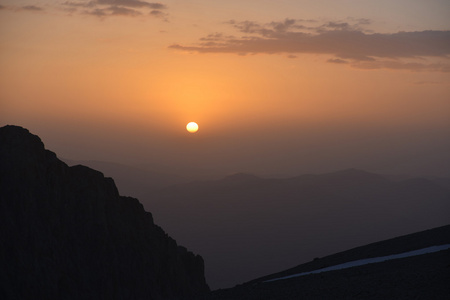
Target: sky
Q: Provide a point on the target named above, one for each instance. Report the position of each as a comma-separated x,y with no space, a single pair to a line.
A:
278,88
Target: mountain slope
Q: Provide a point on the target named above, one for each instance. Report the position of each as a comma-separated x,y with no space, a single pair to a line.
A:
247,226
418,277
67,234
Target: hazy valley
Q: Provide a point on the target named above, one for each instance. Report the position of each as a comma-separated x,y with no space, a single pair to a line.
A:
247,226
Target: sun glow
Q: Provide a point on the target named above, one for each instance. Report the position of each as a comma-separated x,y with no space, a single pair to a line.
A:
192,127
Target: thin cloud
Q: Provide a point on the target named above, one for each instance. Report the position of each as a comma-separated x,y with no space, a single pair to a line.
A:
337,61
105,8
80,4
122,11
399,65
32,8
131,3
113,11
158,14
97,12
22,8
347,42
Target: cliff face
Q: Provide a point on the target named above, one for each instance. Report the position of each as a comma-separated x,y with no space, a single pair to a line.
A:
66,233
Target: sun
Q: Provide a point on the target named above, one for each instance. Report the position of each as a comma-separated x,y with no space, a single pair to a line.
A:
192,127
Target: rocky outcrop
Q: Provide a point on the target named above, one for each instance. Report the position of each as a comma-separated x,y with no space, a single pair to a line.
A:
66,233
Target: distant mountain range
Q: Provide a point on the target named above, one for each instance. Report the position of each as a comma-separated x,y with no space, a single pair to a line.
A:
140,179
66,233
246,226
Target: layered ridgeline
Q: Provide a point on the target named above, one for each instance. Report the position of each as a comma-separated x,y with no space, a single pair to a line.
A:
66,233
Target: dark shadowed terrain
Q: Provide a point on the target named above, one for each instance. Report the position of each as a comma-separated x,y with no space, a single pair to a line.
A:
419,277
66,233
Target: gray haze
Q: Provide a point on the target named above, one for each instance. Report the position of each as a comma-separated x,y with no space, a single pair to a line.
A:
281,150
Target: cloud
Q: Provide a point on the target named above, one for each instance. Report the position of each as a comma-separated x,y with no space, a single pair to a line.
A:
105,8
32,8
157,13
113,11
347,42
22,8
80,4
399,65
337,61
132,3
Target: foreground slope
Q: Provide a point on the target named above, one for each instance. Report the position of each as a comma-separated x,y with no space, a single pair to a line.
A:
67,234
418,277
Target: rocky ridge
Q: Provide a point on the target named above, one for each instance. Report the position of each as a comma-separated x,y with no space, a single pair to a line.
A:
66,233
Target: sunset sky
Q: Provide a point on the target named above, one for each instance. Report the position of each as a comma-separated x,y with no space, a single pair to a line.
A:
277,87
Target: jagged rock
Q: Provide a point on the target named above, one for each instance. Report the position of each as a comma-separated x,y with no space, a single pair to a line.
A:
66,233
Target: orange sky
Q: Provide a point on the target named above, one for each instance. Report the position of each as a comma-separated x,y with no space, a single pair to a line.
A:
276,86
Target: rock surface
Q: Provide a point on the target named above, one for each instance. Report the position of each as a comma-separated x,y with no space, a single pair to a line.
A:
66,233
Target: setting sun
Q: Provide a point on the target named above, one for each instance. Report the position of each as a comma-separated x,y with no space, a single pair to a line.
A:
192,127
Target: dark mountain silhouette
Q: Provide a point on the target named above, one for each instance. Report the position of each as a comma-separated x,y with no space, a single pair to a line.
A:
65,233
247,226
418,277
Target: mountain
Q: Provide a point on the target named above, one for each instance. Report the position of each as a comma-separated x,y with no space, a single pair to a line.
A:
66,233
246,226
423,276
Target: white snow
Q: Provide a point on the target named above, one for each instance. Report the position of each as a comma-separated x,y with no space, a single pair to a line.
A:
361,262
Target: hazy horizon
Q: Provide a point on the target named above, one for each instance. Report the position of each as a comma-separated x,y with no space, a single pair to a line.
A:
415,154
400,155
